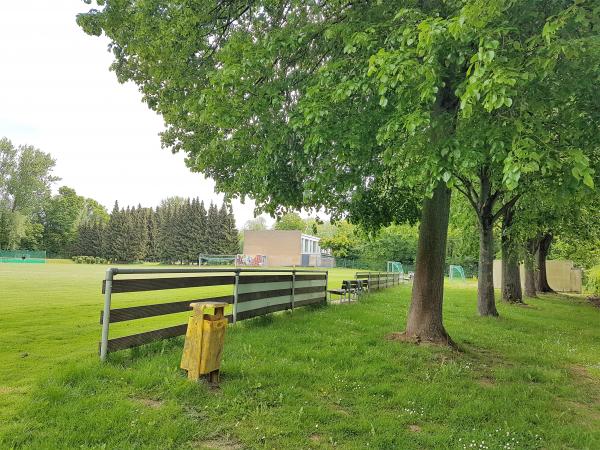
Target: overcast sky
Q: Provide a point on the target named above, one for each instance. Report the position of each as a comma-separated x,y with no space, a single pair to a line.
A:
57,94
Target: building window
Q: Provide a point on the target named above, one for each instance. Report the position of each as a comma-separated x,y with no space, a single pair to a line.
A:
310,246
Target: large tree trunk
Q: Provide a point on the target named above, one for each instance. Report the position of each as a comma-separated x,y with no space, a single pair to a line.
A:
542,254
486,303
425,313
530,250
511,276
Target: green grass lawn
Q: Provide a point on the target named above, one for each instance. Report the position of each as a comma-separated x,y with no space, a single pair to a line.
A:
317,378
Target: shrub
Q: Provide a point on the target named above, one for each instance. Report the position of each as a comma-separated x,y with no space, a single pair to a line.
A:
89,260
593,280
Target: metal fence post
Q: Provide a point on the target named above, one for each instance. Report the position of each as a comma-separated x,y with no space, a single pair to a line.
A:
293,288
235,294
106,314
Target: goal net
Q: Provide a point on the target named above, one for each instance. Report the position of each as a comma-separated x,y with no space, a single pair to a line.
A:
23,256
216,260
456,273
395,266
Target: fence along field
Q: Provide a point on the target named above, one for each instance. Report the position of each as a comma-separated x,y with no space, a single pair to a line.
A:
254,292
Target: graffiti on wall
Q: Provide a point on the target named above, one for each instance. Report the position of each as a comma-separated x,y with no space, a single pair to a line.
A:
251,260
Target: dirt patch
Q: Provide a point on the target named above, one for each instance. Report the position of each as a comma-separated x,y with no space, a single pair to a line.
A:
315,438
150,403
594,301
486,382
522,305
486,358
414,428
588,412
341,410
591,384
4,390
218,444
581,373
403,337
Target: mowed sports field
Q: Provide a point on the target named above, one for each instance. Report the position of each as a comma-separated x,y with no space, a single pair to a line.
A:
317,378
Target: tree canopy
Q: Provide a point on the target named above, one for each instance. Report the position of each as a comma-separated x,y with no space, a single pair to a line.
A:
26,177
350,105
290,221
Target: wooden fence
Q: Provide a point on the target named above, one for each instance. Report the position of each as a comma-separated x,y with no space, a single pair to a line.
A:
256,292
380,280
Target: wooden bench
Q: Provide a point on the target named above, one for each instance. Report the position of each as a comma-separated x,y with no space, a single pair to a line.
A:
348,289
363,285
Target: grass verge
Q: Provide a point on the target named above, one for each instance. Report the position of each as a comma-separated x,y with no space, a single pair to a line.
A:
317,378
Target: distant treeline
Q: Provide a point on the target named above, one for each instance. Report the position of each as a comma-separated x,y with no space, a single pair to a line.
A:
175,232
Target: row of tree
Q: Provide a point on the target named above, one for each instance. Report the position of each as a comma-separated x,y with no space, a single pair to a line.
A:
381,110
68,224
30,216
175,232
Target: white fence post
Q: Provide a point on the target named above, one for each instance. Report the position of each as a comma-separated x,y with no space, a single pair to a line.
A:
106,314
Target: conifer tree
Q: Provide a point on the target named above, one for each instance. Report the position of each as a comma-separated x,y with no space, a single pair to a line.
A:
200,235
184,232
196,230
152,248
82,242
213,230
140,233
96,237
128,236
167,233
112,235
229,238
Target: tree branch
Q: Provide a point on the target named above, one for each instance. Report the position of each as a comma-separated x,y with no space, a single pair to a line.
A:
466,194
469,187
506,206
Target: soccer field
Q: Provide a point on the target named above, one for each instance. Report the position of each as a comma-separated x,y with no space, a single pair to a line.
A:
51,311
50,315
317,378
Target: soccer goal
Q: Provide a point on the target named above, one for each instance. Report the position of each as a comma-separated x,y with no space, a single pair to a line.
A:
216,260
395,266
456,273
23,256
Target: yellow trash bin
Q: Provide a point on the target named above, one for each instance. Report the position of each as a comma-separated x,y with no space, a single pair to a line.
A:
204,340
